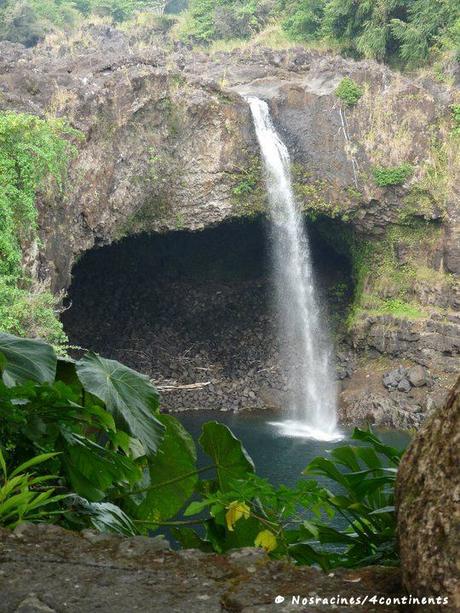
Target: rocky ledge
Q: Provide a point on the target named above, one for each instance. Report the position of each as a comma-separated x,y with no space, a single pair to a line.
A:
46,569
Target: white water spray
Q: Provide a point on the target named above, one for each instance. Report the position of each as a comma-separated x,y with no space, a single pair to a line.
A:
306,351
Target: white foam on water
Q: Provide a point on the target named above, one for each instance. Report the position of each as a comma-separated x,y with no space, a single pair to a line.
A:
292,428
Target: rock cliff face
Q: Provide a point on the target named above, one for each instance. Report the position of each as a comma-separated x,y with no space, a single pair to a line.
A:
169,145
428,496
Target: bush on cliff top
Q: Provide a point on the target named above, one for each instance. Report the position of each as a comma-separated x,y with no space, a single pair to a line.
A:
384,30
395,175
28,21
349,91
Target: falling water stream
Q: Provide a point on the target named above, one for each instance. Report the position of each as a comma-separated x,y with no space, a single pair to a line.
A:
306,351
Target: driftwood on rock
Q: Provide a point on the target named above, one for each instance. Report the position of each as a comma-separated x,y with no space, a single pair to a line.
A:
186,386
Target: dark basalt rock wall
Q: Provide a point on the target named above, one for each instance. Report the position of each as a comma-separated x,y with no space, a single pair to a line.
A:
194,311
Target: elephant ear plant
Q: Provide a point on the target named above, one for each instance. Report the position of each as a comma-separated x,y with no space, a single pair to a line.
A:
83,443
100,416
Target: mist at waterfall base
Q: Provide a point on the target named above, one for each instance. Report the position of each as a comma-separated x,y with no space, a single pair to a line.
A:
306,352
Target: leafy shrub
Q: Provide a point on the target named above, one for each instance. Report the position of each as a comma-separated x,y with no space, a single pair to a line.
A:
407,32
246,186
20,23
208,20
305,20
396,175
100,415
247,511
28,312
28,21
425,26
124,467
117,10
247,179
24,496
34,154
400,308
367,503
349,91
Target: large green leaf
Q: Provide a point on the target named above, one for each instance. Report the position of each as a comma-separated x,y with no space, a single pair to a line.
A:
26,359
303,553
104,516
38,459
346,456
230,457
67,373
126,393
172,473
92,469
189,539
367,436
324,467
243,535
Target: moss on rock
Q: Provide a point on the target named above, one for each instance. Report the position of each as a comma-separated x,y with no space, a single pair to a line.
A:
248,190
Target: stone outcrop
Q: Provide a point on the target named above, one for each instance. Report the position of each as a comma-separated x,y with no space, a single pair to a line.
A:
169,145
428,507
48,569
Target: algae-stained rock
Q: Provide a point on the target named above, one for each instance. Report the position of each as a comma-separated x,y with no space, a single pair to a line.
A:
428,508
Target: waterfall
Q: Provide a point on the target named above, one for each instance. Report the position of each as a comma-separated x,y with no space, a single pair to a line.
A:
306,351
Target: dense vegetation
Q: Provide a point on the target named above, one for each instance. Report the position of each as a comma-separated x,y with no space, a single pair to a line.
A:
84,444
34,154
405,31
348,91
28,21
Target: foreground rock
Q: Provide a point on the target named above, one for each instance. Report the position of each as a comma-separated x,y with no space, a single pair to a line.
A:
49,569
428,501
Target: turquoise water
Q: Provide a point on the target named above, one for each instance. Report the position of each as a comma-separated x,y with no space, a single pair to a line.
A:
278,458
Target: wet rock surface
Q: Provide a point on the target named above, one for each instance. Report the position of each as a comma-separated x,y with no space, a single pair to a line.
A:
46,569
428,507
